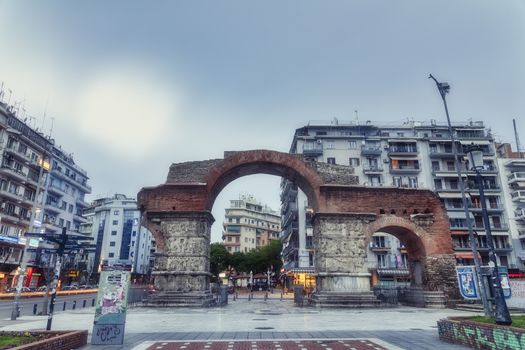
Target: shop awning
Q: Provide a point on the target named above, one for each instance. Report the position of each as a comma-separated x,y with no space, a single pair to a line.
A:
393,272
476,142
451,194
465,255
404,157
301,270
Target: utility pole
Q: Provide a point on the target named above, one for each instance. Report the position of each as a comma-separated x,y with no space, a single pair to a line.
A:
444,88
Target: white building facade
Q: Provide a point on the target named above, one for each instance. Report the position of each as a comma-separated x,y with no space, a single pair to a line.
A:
114,224
249,225
414,155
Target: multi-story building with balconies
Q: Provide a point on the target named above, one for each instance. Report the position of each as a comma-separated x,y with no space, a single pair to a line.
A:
249,225
41,188
414,155
512,169
115,225
24,155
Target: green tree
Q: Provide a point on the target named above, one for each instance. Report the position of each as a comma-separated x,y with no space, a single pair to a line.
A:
219,258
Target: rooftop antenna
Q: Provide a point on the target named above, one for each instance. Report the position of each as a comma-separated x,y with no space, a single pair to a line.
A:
51,130
45,112
518,145
356,116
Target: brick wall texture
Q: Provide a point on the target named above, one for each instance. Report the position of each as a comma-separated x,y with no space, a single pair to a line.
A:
58,340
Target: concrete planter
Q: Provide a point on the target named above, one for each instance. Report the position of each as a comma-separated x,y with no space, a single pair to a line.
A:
479,335
55,340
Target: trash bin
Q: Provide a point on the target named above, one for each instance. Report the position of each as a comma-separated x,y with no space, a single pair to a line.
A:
298,294
224,295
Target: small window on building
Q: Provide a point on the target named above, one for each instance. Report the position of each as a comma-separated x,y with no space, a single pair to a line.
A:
111,255
330,160
352,144
113,233
111,244
354,162
115,222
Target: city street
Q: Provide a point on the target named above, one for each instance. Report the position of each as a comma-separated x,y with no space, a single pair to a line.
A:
256,320
27,304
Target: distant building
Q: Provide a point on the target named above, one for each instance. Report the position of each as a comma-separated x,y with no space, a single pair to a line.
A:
114,223
249,225
512,168
412,155
31,162
24,155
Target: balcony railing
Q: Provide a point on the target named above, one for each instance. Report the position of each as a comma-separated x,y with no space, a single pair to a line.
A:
518,195
372,169
517,176
403,149
370,151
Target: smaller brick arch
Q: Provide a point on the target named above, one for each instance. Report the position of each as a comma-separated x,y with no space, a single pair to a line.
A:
406,231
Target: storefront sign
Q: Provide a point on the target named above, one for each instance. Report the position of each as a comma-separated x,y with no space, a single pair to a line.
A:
468,282
112,301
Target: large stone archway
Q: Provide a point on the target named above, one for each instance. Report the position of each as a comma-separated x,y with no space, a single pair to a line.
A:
345,216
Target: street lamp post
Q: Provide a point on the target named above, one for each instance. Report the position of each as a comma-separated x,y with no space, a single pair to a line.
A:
444,88
475,157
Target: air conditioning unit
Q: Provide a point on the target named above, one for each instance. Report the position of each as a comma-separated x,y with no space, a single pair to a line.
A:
319,141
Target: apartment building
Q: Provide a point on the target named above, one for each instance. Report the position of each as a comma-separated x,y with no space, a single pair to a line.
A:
115,225
24,168
512,169
414,155
249,225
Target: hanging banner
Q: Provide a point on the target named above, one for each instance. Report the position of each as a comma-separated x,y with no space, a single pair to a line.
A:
468,282
112,302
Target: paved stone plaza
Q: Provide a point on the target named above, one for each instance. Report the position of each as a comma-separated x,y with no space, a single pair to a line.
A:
243,321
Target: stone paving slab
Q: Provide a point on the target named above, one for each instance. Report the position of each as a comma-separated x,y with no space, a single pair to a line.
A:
305,344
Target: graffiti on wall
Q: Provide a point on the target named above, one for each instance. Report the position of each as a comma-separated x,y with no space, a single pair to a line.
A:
481,337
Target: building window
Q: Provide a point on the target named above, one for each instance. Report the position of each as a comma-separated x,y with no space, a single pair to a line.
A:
381,260
330,160
438,185
111,244
330,145
354,162
115,222
111,255
412,182
70,208
397,181
113,233
435,165
116,212
352,144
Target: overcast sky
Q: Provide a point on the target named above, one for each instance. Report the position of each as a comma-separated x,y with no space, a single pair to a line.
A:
133,86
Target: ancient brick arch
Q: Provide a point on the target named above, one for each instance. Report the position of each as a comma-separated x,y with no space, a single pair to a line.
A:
345,216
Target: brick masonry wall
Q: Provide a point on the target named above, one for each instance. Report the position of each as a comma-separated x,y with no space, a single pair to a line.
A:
481,335
60,340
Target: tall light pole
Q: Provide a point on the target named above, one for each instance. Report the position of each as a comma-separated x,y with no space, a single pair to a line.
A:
444,88
475,156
